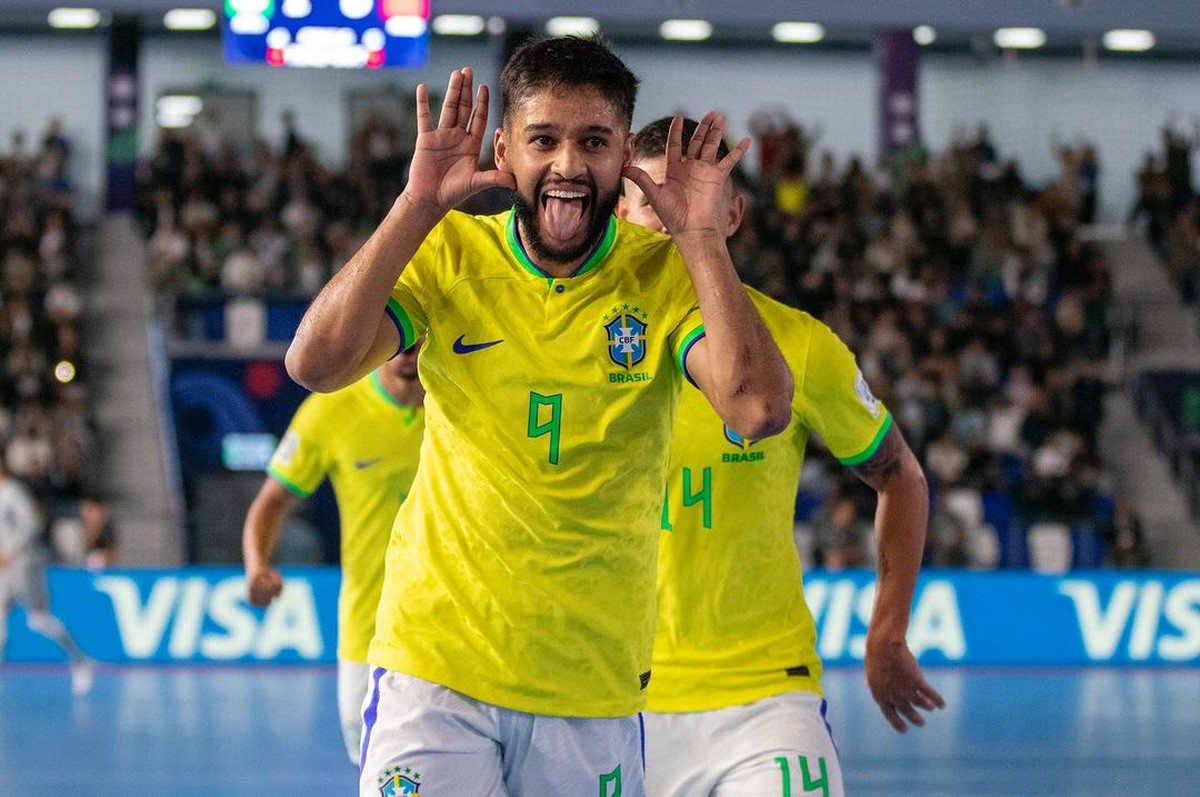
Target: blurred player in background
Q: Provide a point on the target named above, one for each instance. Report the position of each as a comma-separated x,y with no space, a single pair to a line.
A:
514,632
366,439
23,563
735,706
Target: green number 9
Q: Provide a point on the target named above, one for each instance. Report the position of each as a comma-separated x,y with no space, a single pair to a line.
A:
551,425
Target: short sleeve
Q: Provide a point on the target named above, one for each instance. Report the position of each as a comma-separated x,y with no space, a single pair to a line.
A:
407,302
300,462
689,326
837,401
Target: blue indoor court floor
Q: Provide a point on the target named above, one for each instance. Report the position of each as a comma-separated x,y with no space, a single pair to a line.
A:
264,731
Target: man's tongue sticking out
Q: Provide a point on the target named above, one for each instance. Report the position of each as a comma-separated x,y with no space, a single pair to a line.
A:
565,215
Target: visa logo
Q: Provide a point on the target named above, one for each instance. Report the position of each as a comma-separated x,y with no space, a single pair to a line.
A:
1150,619
841,610
199,619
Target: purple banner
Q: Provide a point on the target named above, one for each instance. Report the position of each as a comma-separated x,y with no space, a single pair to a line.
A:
121,107
899,106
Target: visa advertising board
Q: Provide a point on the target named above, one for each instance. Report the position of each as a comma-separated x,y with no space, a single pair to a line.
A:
200,615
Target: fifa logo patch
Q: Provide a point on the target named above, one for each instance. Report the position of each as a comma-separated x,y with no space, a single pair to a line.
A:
863,390
626,328
399,782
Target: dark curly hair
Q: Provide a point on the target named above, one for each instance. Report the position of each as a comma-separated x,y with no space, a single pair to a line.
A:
567,61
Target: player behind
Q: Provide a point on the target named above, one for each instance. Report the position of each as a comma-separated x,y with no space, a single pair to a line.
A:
366,439
735,704
512,644
23,563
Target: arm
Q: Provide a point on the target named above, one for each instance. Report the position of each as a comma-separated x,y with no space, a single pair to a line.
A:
345,332
901,518
736,364
260,532
22,522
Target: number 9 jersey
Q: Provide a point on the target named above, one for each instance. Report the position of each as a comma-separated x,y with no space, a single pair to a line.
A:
521,568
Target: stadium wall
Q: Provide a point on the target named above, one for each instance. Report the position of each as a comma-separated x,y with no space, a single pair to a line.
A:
199,615
1029,103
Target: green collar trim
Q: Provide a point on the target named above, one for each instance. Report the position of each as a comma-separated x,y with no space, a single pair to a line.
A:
594,259
410,412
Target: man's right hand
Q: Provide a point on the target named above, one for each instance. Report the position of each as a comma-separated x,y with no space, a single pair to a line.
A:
445,165
263,586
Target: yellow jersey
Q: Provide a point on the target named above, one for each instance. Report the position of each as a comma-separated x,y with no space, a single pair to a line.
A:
368,445
733,626
524,576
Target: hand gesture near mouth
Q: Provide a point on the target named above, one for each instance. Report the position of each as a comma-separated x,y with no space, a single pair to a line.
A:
445,165
691,199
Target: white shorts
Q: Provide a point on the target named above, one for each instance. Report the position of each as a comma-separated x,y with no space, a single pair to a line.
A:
421,736
779,745
353,679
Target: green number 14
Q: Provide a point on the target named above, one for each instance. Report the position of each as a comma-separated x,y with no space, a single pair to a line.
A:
691,497
551,424
808,783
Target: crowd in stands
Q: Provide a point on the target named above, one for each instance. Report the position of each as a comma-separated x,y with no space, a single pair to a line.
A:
46,428
1168,208
977,314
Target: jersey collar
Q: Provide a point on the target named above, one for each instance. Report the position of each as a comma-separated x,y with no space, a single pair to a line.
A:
594,258
410,412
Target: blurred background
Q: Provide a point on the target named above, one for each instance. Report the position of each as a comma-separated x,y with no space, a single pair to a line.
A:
1000,221
994,205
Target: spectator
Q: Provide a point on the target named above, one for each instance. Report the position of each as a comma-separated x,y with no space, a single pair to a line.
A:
99,533
843,536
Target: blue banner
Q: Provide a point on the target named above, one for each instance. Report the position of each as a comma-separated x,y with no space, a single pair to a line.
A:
195,614
200,615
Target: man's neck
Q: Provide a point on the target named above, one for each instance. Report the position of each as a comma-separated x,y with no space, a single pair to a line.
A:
408,392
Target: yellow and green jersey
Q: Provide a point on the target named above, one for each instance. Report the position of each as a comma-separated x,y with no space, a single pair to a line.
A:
524,576
733,626
368,445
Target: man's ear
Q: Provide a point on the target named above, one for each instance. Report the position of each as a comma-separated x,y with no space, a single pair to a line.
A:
500,148
628,150
735,211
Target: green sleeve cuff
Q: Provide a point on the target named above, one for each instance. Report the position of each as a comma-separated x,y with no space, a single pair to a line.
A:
291,486
685,346
872,447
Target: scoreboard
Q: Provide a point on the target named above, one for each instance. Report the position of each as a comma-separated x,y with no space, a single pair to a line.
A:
347,34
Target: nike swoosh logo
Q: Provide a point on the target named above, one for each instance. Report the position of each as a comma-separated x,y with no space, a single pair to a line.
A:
363,464
466,348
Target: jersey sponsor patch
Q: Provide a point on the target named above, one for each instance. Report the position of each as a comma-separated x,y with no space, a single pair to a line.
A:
286,450
865,396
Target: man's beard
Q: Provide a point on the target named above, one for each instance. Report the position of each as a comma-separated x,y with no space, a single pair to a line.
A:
527,216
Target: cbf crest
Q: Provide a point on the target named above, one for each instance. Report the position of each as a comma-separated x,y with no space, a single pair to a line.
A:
737,439
626,328
399,782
